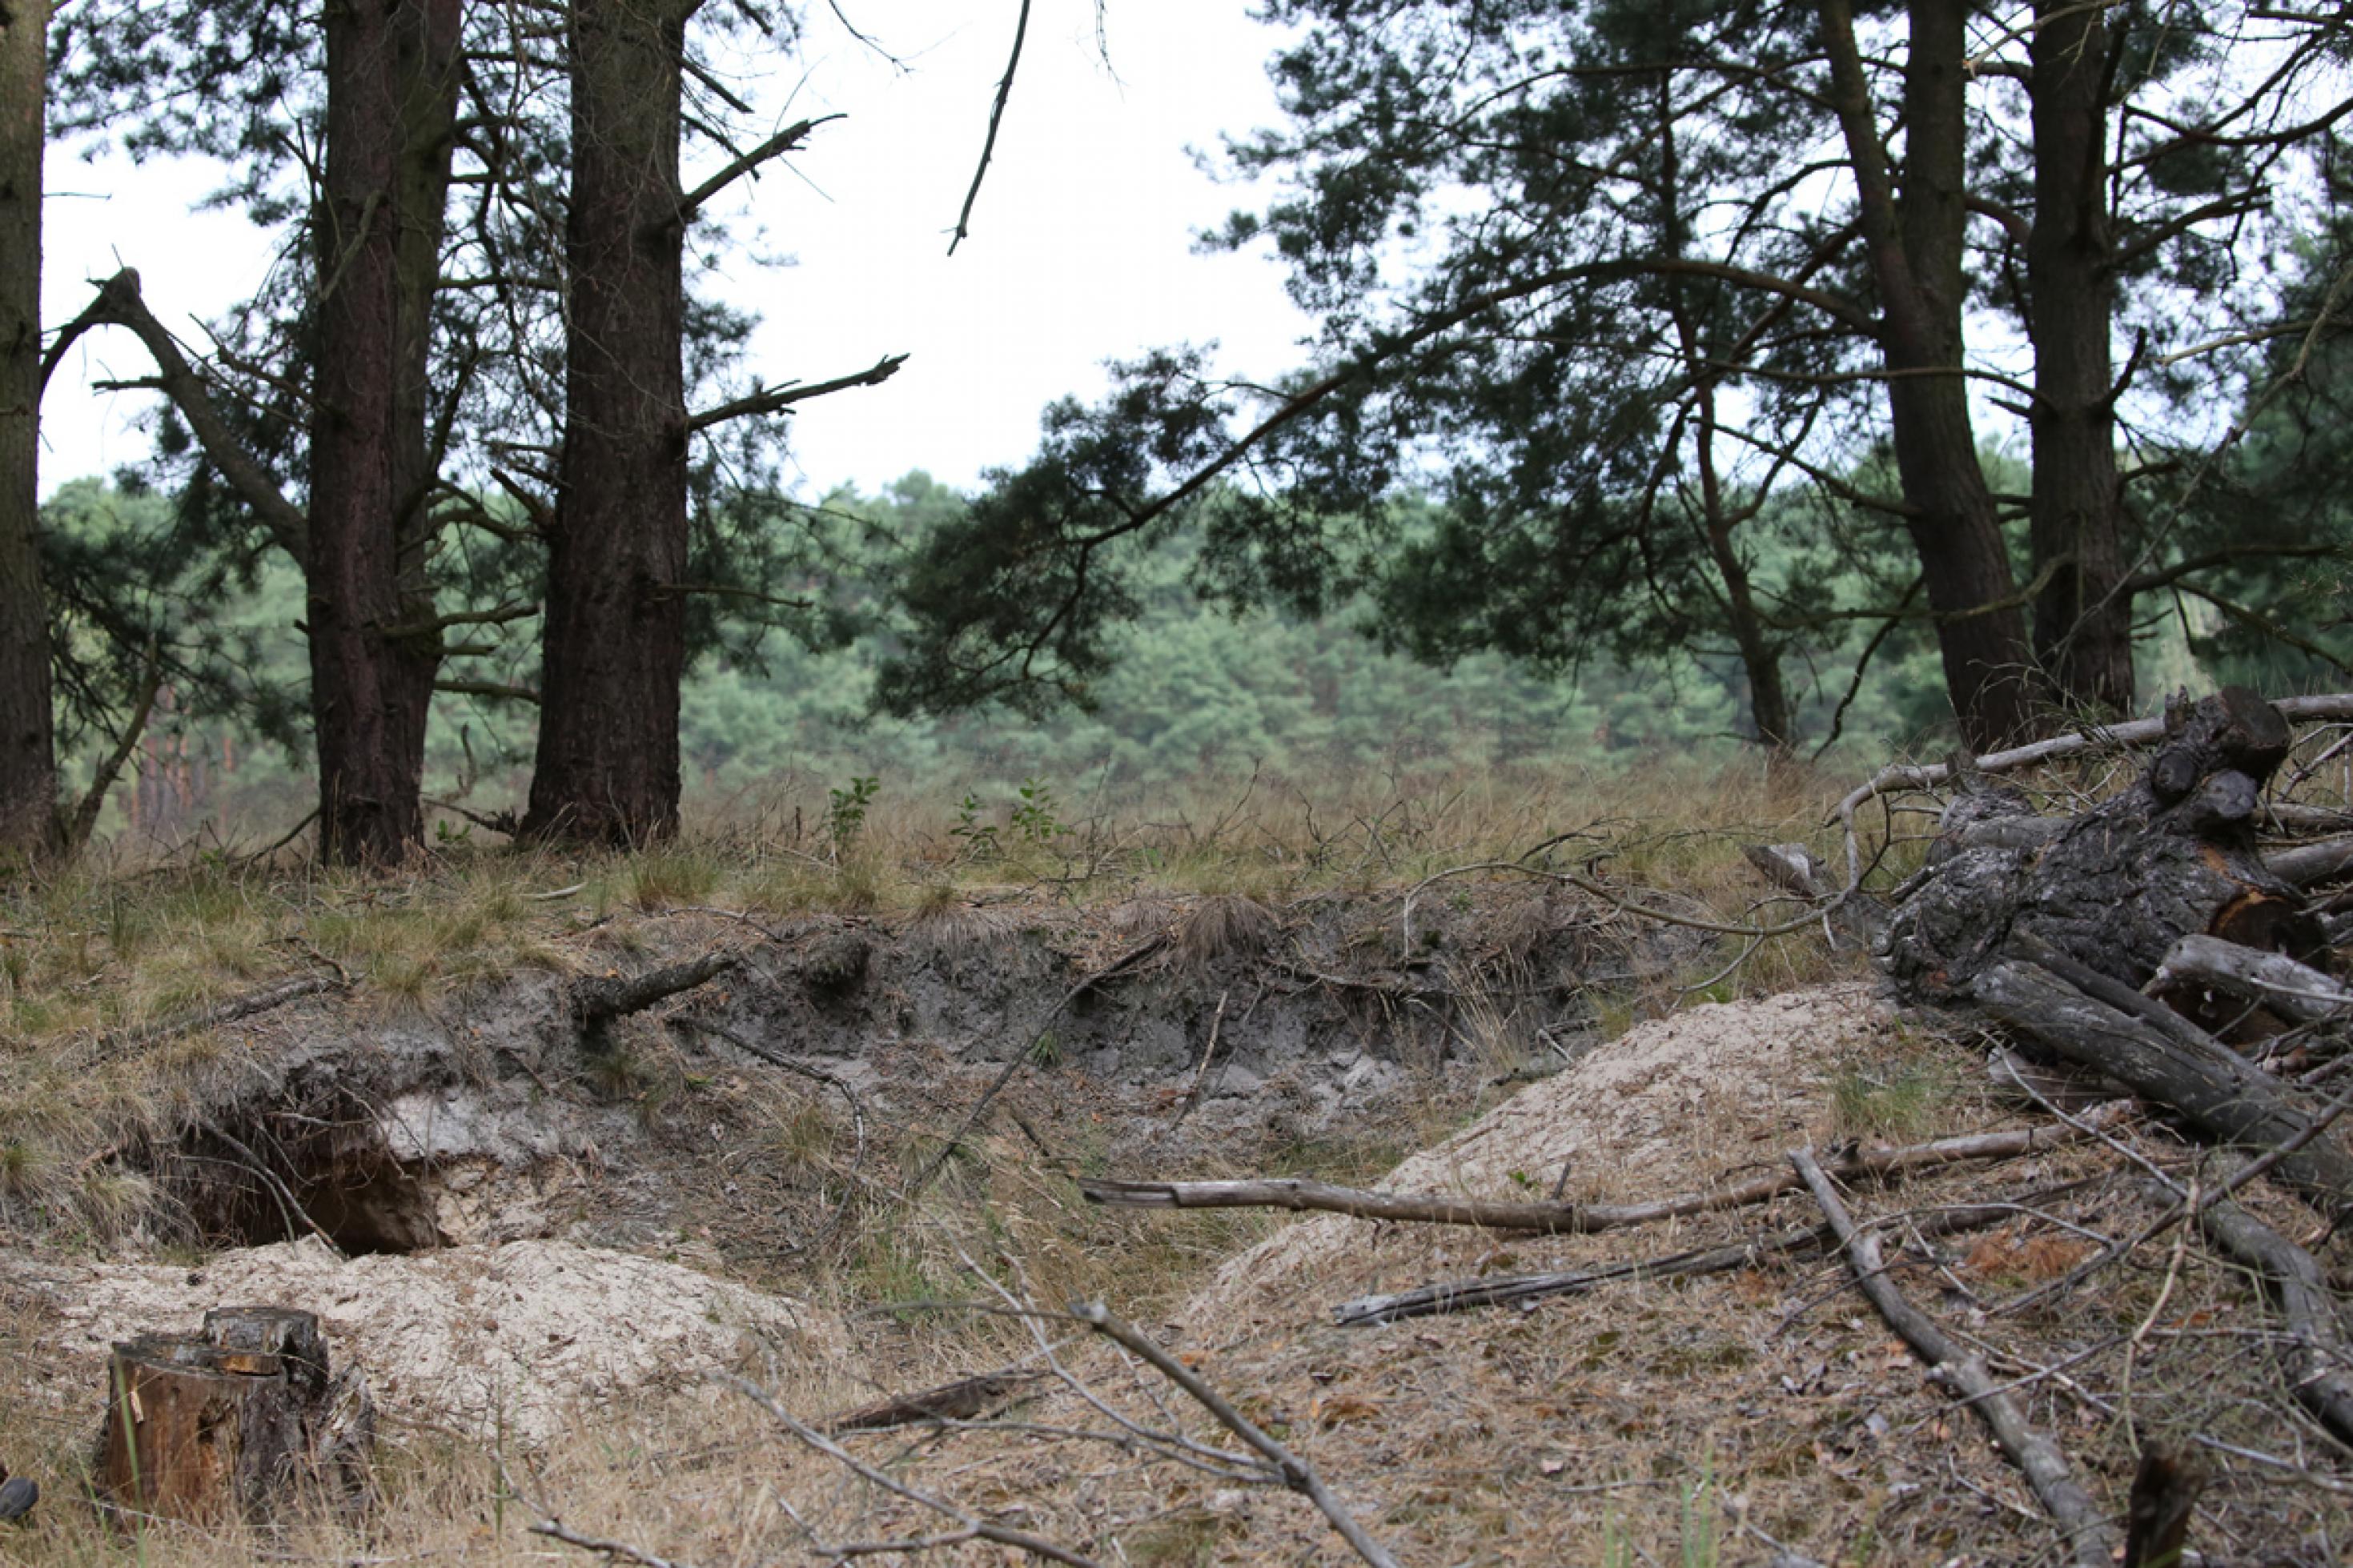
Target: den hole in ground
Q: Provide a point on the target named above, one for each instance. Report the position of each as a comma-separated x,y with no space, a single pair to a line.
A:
273,1176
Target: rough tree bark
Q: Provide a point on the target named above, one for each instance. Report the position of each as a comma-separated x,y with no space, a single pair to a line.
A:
29,818
2083,619
615,638
2116,886
1914,241
392,85
2055,933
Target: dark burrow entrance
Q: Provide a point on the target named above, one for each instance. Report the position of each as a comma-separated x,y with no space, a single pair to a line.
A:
283,1175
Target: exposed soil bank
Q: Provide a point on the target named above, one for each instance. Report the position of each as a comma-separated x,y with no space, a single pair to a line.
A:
1213,1026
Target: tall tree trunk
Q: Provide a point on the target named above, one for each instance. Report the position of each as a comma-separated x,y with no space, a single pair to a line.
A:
392,78
28,819
2082,623
1915,245
615,638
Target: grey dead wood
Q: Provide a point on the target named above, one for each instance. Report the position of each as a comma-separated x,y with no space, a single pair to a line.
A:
1293,1472
2311,865
2294,991
1900,777
2090,1539
2217,1091
2174,854
1306,1194
1512,1289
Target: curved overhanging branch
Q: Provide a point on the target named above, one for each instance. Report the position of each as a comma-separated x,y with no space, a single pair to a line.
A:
119,304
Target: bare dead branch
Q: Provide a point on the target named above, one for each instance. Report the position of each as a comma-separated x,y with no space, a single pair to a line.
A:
2293,990
2319,1366
973,1527
789,140
119,304
996,119
775,399
1296,1473
84,820
1020,1057
229,1012
2090,1539
1306,1194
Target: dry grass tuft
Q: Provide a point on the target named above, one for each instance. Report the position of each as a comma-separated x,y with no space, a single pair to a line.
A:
1224,925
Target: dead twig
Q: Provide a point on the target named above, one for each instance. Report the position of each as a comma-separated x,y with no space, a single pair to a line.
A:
970,1526
1296,1473
232,1011
2089,1540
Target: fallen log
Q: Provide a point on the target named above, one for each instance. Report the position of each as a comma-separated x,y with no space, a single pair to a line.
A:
1306,1194
241,1419
2310,865
2089,1540
2217,1091
2118,885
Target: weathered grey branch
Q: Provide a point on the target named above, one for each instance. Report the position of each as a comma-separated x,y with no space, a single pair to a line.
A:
2219,1091
2309,864
974,1527
2090,1539
1296,1473
2293,990
1303,1194
1497,1290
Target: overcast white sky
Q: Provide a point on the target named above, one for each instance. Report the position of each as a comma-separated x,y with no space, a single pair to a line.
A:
1080,246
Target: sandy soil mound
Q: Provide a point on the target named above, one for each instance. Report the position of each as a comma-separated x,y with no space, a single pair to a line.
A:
527,1336
1668,1107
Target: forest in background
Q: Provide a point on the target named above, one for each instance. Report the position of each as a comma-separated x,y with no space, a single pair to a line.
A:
1769,370
1200,692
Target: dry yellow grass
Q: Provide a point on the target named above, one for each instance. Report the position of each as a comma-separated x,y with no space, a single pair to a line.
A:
1659,1422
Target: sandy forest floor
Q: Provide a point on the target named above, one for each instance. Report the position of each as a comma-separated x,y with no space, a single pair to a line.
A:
573,1267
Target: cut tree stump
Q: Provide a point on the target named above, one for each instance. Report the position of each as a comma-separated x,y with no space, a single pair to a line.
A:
241,1419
